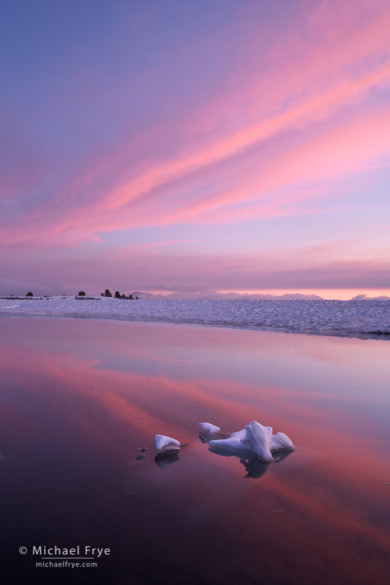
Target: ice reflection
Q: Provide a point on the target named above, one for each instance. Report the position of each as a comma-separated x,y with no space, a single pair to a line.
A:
255,468
166,458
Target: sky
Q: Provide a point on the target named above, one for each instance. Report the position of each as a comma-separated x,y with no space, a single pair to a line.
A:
216,145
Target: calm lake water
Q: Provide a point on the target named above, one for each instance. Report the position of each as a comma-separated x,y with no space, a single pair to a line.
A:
78,399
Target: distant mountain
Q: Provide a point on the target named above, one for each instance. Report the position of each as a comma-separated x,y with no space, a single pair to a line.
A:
146,295
366,298
214,295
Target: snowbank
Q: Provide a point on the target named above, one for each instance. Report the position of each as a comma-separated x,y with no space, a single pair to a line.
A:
341,318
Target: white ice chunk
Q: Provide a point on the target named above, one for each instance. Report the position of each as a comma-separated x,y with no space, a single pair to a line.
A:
208,428
256,439
236,442
259,439
164,443
281,442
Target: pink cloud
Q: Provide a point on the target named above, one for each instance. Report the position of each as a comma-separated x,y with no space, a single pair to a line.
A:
314,109
157,245
283,178
126,269
352,146
344,63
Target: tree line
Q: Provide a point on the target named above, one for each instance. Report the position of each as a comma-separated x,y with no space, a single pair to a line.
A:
107,293
118,295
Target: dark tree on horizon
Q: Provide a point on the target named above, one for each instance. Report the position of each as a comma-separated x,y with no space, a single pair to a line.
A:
81,294
29,294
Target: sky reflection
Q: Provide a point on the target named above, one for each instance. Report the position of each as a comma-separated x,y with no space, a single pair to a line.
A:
79,398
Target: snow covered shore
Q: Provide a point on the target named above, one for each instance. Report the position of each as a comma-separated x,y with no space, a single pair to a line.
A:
340,318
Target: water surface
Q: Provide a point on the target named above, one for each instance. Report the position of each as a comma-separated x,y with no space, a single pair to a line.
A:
79,398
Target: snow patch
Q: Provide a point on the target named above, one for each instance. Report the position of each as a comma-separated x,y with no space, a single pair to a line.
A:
357,318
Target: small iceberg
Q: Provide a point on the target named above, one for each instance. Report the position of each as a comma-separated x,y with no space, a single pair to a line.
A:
209,428
209,431
255,440
281,442
168,450
166,444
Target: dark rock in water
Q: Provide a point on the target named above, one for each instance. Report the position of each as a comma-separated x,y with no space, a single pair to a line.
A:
140,457
142,449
